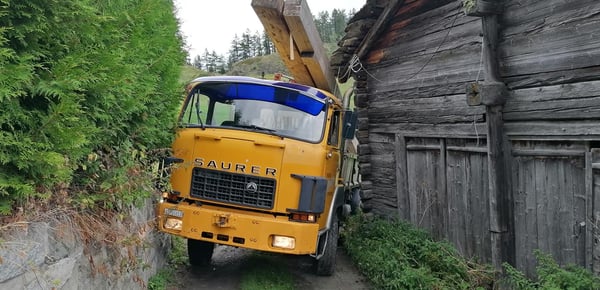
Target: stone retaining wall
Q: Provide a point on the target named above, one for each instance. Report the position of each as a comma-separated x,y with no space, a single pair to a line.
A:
51,255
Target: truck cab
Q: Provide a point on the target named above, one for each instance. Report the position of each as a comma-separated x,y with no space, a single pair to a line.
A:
258,164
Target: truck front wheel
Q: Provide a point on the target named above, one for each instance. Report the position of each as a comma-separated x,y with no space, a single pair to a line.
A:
326,264
200,252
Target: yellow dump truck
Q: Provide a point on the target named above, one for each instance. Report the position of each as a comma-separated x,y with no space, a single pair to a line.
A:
260,164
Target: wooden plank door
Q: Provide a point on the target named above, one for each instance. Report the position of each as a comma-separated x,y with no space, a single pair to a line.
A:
425,185
468,198
446,184
550,202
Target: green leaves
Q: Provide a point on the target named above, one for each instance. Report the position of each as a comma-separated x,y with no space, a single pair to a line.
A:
552,276
80,76
396,255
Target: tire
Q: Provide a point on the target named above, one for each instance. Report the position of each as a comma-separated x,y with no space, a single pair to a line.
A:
325,266
356,203
200,252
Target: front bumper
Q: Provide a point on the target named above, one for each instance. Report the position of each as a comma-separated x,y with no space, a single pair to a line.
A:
238,228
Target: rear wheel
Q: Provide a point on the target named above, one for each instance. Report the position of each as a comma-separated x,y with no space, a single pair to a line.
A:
200,252
325,266
356,203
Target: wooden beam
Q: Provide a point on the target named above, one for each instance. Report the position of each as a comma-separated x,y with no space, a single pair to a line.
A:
270,14
500,206
590,232
303,29
378,27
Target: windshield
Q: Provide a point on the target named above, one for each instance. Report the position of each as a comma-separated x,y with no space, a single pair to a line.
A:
208,108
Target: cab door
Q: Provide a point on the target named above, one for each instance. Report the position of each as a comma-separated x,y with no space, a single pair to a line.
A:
332,155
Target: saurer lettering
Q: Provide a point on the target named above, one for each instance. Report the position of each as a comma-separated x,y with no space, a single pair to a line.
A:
234,167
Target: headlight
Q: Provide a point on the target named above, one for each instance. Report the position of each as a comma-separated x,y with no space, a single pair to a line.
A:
284,242
173,224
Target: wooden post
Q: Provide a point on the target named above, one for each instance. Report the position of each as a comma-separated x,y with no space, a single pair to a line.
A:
589,194
492,93
594,223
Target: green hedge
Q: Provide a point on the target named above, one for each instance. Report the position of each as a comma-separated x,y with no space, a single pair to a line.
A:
78,77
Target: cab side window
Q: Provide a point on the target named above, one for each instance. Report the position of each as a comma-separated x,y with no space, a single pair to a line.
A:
334,129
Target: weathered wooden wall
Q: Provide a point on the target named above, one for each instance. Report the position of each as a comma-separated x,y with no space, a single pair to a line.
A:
423,149
550,59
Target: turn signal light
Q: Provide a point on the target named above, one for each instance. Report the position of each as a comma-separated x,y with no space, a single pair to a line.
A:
303,217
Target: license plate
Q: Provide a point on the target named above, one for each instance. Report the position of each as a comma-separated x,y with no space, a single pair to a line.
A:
173,212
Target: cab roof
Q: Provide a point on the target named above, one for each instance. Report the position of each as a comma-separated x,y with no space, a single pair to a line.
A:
311,91
305,98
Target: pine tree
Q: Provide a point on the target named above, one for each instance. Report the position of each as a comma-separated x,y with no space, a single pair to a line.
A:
268,47
197,62
234,51
338,22
323,23
246,45
257,49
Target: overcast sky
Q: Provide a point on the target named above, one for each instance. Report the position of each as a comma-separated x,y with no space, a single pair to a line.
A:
213,24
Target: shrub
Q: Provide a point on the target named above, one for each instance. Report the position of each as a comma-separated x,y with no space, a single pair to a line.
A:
78,78
552,276
396,255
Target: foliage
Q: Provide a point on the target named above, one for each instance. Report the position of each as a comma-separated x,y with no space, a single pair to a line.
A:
161,279
78,78
331,26
248,45
177,259
552,276
469,5
268,64
188,73
396,255
178,254
262,273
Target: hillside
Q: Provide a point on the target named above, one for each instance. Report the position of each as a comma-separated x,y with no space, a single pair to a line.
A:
254,67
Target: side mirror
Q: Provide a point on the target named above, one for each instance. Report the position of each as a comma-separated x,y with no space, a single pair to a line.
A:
349,124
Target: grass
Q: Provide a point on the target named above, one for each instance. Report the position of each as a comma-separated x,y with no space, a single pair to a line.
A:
177,259
188,73
396,255
161,280
551,276
262,273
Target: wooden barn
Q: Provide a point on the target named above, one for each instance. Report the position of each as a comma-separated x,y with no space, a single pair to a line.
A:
479,121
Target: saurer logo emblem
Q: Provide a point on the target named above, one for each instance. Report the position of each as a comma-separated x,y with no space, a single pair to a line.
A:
235,167
251,187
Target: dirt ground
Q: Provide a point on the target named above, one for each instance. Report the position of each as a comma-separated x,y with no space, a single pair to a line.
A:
228,264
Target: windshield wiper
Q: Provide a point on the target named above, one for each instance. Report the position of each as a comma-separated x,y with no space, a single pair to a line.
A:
254,127
258,128
198,115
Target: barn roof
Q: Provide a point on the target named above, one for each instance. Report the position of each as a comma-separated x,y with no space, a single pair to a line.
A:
361,31
366,28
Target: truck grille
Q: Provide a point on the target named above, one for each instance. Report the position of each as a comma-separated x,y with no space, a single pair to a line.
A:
233,188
